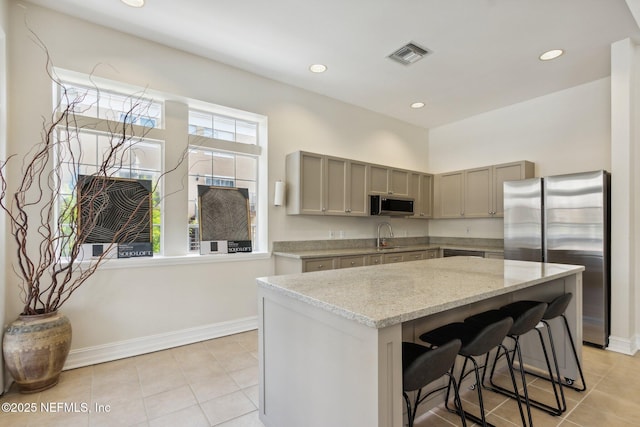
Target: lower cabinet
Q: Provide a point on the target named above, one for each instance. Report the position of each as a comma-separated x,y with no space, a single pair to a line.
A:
351,261
317,264
288,265
432,253
374,259
494,255
410,256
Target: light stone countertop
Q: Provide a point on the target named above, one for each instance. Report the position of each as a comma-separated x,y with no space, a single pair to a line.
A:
326,253
385,295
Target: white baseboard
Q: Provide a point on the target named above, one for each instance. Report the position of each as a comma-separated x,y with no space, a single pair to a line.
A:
624,345
118,350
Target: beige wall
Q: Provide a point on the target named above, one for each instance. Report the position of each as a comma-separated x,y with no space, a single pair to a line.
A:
588,127
119,306
564,132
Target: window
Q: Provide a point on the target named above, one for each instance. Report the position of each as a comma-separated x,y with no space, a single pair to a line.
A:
220,127
142,157
102,104
212,166
226,148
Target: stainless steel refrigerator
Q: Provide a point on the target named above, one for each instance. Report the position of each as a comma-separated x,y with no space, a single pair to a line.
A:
565,219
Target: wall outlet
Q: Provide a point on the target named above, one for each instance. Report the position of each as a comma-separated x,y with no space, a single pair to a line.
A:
343,234
332,234
468,229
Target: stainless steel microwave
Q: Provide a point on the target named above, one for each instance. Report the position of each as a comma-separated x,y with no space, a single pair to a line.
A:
391,205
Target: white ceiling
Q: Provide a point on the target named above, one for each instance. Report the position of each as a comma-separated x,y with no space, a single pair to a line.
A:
485,52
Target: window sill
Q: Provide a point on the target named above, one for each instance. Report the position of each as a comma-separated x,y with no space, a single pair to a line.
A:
164,261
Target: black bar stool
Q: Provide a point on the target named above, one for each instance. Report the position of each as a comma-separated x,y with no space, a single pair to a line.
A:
557,308
525,319
421,366
476,341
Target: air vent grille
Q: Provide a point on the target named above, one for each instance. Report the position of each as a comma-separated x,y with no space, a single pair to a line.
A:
409,54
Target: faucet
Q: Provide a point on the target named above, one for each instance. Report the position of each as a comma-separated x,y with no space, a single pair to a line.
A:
390,234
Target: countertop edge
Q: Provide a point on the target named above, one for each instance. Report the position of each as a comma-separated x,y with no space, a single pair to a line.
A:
405,317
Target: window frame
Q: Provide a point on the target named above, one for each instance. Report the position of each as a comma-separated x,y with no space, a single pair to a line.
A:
258,150
167,132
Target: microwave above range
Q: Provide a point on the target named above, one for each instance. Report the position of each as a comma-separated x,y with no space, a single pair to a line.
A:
391,205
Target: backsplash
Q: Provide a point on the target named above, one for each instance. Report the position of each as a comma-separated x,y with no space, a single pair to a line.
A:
309,245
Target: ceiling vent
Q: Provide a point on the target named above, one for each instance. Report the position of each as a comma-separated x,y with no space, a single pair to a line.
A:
409,53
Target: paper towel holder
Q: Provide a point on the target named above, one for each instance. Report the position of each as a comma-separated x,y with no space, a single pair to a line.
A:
278,198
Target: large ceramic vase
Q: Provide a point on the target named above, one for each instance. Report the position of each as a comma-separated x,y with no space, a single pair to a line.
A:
35,348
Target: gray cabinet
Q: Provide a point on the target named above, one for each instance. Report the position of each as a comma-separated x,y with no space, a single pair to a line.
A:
305,183
352,261
494,255
477,193
450,198
374,259
318,264
421,189
288,265
404,256
357,198
432,253
325,185
386,180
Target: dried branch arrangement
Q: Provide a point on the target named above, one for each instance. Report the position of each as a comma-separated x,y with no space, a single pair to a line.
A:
44,220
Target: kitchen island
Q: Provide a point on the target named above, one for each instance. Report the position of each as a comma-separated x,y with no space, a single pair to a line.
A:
330,342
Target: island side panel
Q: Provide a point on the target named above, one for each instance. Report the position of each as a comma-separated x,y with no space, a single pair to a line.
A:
319,369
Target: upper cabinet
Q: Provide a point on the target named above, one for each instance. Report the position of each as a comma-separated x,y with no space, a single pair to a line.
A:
305,183
421,189
449,190
325,185
386,180
477,193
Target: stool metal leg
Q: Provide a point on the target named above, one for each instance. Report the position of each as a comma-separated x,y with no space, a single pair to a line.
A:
479,386
513,394
575,356
559,381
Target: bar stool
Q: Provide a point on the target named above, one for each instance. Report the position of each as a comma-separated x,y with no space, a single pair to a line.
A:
525,317
421,366
476,341
556,308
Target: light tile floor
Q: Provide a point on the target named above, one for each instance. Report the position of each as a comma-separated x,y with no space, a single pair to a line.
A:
214,383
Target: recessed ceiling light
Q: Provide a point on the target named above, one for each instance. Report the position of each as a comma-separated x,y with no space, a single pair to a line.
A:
551,54
133,3
417,105
317,68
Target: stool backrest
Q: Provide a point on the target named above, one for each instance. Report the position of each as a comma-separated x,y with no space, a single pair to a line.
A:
558,306
528,319
430,366
488,337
